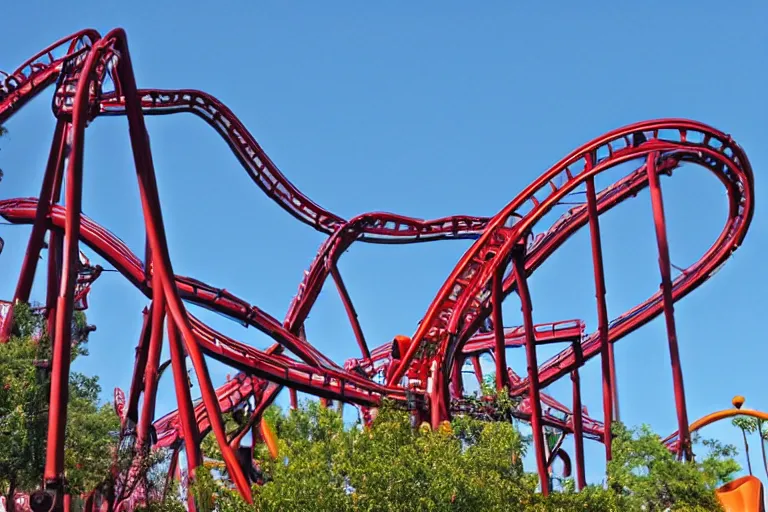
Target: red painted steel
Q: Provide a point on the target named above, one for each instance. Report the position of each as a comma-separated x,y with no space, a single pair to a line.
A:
578,433
428,376
526,306
150,374
140,365
351,313
500,346
602,312
684,446
188,424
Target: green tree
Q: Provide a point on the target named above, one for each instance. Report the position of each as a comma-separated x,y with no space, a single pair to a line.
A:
91,435
762,431
23,405
747,425
471,465
649,475
24,376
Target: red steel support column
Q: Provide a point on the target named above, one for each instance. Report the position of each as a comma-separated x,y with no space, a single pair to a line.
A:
171,471
351,313
57,416
614,382
55,245
88,505
437,408
41,224
497,291
478,369
457,379
55,248
161,259
62,345
602,316
153,360
162,267
55,242
533,367
184,399
147,258
294,398
684,446
139,366
578,423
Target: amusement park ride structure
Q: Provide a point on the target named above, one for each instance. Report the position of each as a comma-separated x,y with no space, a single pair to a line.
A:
92,76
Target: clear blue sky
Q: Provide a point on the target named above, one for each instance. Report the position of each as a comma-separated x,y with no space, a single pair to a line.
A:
427,110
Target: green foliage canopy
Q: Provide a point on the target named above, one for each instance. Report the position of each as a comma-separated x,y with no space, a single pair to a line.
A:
475,465
25,382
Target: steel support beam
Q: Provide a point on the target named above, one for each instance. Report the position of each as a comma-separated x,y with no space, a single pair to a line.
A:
602,317
351,313
518,262
657,202
578,423
500,353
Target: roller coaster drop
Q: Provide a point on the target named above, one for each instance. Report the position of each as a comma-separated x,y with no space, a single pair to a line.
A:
93,77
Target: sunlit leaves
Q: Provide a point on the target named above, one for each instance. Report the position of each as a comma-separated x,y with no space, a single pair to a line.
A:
648,475
24,401
474,465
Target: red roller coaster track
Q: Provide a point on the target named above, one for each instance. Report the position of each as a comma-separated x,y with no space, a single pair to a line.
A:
93,77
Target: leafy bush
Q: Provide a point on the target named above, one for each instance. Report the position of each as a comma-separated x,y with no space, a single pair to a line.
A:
471,465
